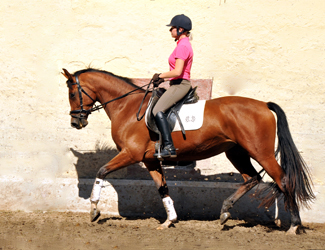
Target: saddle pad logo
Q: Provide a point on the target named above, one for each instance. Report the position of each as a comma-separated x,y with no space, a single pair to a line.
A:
191,116
190,119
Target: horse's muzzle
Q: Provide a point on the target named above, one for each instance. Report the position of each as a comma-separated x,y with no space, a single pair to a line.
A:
79,122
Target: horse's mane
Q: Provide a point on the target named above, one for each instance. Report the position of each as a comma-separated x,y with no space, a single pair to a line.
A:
125,79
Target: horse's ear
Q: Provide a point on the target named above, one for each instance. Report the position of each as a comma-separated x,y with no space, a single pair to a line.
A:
67,74
76,153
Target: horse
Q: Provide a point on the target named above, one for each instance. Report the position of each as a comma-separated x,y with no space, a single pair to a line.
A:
242,128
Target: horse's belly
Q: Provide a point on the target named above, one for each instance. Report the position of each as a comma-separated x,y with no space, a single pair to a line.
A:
205,150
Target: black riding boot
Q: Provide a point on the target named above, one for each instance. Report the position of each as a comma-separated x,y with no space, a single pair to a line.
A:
163,126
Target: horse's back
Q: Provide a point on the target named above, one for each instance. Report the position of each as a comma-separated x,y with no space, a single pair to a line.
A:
238,106
237,100
240,117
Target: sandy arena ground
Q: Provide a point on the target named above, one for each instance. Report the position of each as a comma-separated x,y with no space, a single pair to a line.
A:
54,230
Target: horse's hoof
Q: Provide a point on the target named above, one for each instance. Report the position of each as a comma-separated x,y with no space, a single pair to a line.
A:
224,217
277,222
293,230
166,224
94,214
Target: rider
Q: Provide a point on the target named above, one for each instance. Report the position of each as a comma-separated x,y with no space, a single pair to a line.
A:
180,63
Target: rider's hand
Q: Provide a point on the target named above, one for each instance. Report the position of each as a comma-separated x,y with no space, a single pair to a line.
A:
157,80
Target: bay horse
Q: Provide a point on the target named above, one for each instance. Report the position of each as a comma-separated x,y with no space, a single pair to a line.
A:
241,127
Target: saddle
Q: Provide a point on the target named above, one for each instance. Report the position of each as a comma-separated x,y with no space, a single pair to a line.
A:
172,113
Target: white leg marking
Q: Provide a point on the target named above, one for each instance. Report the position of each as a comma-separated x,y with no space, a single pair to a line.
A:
277,221
95,194
171,213
276,209
170,210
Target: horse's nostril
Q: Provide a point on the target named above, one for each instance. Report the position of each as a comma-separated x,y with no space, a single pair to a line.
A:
84,122
75,123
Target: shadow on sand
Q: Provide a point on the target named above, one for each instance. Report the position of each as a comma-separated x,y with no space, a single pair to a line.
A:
206,208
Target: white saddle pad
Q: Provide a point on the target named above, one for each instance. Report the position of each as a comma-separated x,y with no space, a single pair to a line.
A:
191,116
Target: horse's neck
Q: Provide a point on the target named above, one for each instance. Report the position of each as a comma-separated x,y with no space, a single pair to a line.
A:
111,88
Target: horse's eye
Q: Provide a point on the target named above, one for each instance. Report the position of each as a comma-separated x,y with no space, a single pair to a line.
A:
72,95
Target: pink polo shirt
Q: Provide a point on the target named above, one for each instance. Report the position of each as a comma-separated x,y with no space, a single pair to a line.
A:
182,51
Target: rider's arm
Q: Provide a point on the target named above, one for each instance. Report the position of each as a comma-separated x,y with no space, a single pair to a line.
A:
179,65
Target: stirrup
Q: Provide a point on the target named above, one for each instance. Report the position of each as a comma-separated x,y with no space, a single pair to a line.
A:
167,152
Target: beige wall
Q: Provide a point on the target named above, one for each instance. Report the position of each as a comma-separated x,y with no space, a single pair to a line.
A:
269,50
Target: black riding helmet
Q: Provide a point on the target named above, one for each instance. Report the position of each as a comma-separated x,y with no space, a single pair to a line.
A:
181,21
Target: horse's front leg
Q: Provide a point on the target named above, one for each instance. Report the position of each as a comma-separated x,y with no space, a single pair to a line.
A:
122,160
157,175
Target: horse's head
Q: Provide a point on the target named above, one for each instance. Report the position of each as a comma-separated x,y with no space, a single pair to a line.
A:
80,101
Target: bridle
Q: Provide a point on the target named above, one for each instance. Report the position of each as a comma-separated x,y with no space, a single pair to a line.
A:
83,113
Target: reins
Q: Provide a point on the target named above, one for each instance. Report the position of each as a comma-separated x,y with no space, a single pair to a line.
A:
120,97
145,95
103,105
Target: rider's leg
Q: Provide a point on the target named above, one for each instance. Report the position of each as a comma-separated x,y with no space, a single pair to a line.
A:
174,93
163,126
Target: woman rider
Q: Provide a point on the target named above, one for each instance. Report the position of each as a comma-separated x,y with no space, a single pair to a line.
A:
180,63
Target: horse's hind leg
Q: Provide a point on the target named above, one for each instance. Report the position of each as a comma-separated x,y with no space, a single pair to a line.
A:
241,160
295,226
274,170
157,175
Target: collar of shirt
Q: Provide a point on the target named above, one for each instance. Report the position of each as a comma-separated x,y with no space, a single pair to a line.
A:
181,39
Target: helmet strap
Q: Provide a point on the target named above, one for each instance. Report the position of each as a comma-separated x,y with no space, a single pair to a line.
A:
178,33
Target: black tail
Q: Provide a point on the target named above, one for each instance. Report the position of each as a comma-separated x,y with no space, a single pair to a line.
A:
298,182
